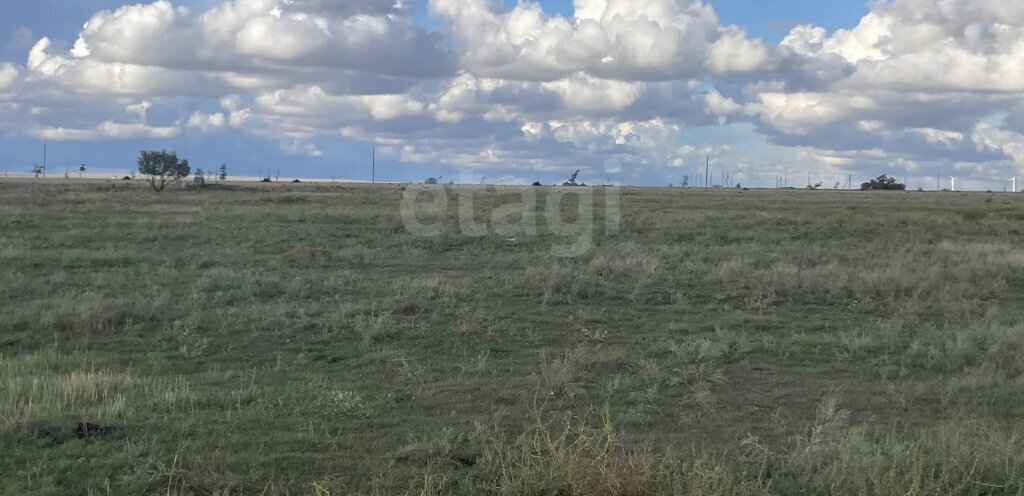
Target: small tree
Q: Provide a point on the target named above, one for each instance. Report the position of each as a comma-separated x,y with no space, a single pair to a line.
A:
223,176
36,169
162,167
883,182
81,169
572,179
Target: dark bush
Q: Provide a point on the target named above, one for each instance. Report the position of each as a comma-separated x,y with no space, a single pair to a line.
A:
883,182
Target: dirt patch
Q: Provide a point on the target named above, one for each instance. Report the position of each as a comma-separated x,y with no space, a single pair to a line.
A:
49,433
305,256
756,391
86,430
409,310
464,459
758,394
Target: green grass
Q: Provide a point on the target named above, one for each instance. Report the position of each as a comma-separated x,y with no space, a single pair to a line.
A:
296,339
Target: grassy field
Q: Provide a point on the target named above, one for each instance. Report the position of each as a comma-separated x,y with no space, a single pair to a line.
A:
297,339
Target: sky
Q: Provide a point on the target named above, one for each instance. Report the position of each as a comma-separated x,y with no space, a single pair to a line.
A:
626,91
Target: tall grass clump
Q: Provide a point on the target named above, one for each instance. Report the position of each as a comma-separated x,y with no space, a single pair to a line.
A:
571,458
960,457
48,387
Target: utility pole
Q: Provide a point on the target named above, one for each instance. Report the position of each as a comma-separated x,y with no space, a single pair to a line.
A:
373,167
44,160
707,172
938,182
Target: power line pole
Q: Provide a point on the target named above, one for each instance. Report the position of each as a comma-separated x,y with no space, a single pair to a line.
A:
373,167
707,172
44,160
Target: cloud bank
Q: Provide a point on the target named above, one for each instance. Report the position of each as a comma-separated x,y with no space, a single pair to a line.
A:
917,86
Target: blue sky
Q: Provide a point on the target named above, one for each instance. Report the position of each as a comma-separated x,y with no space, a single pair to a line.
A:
772,19
62,20
769,19
458,101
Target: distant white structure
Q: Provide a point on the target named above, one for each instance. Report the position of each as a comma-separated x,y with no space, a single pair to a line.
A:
952,183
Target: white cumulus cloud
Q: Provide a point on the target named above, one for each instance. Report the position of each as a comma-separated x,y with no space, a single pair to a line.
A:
912,84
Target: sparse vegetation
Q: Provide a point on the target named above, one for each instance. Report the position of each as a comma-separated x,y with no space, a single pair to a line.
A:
274,339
